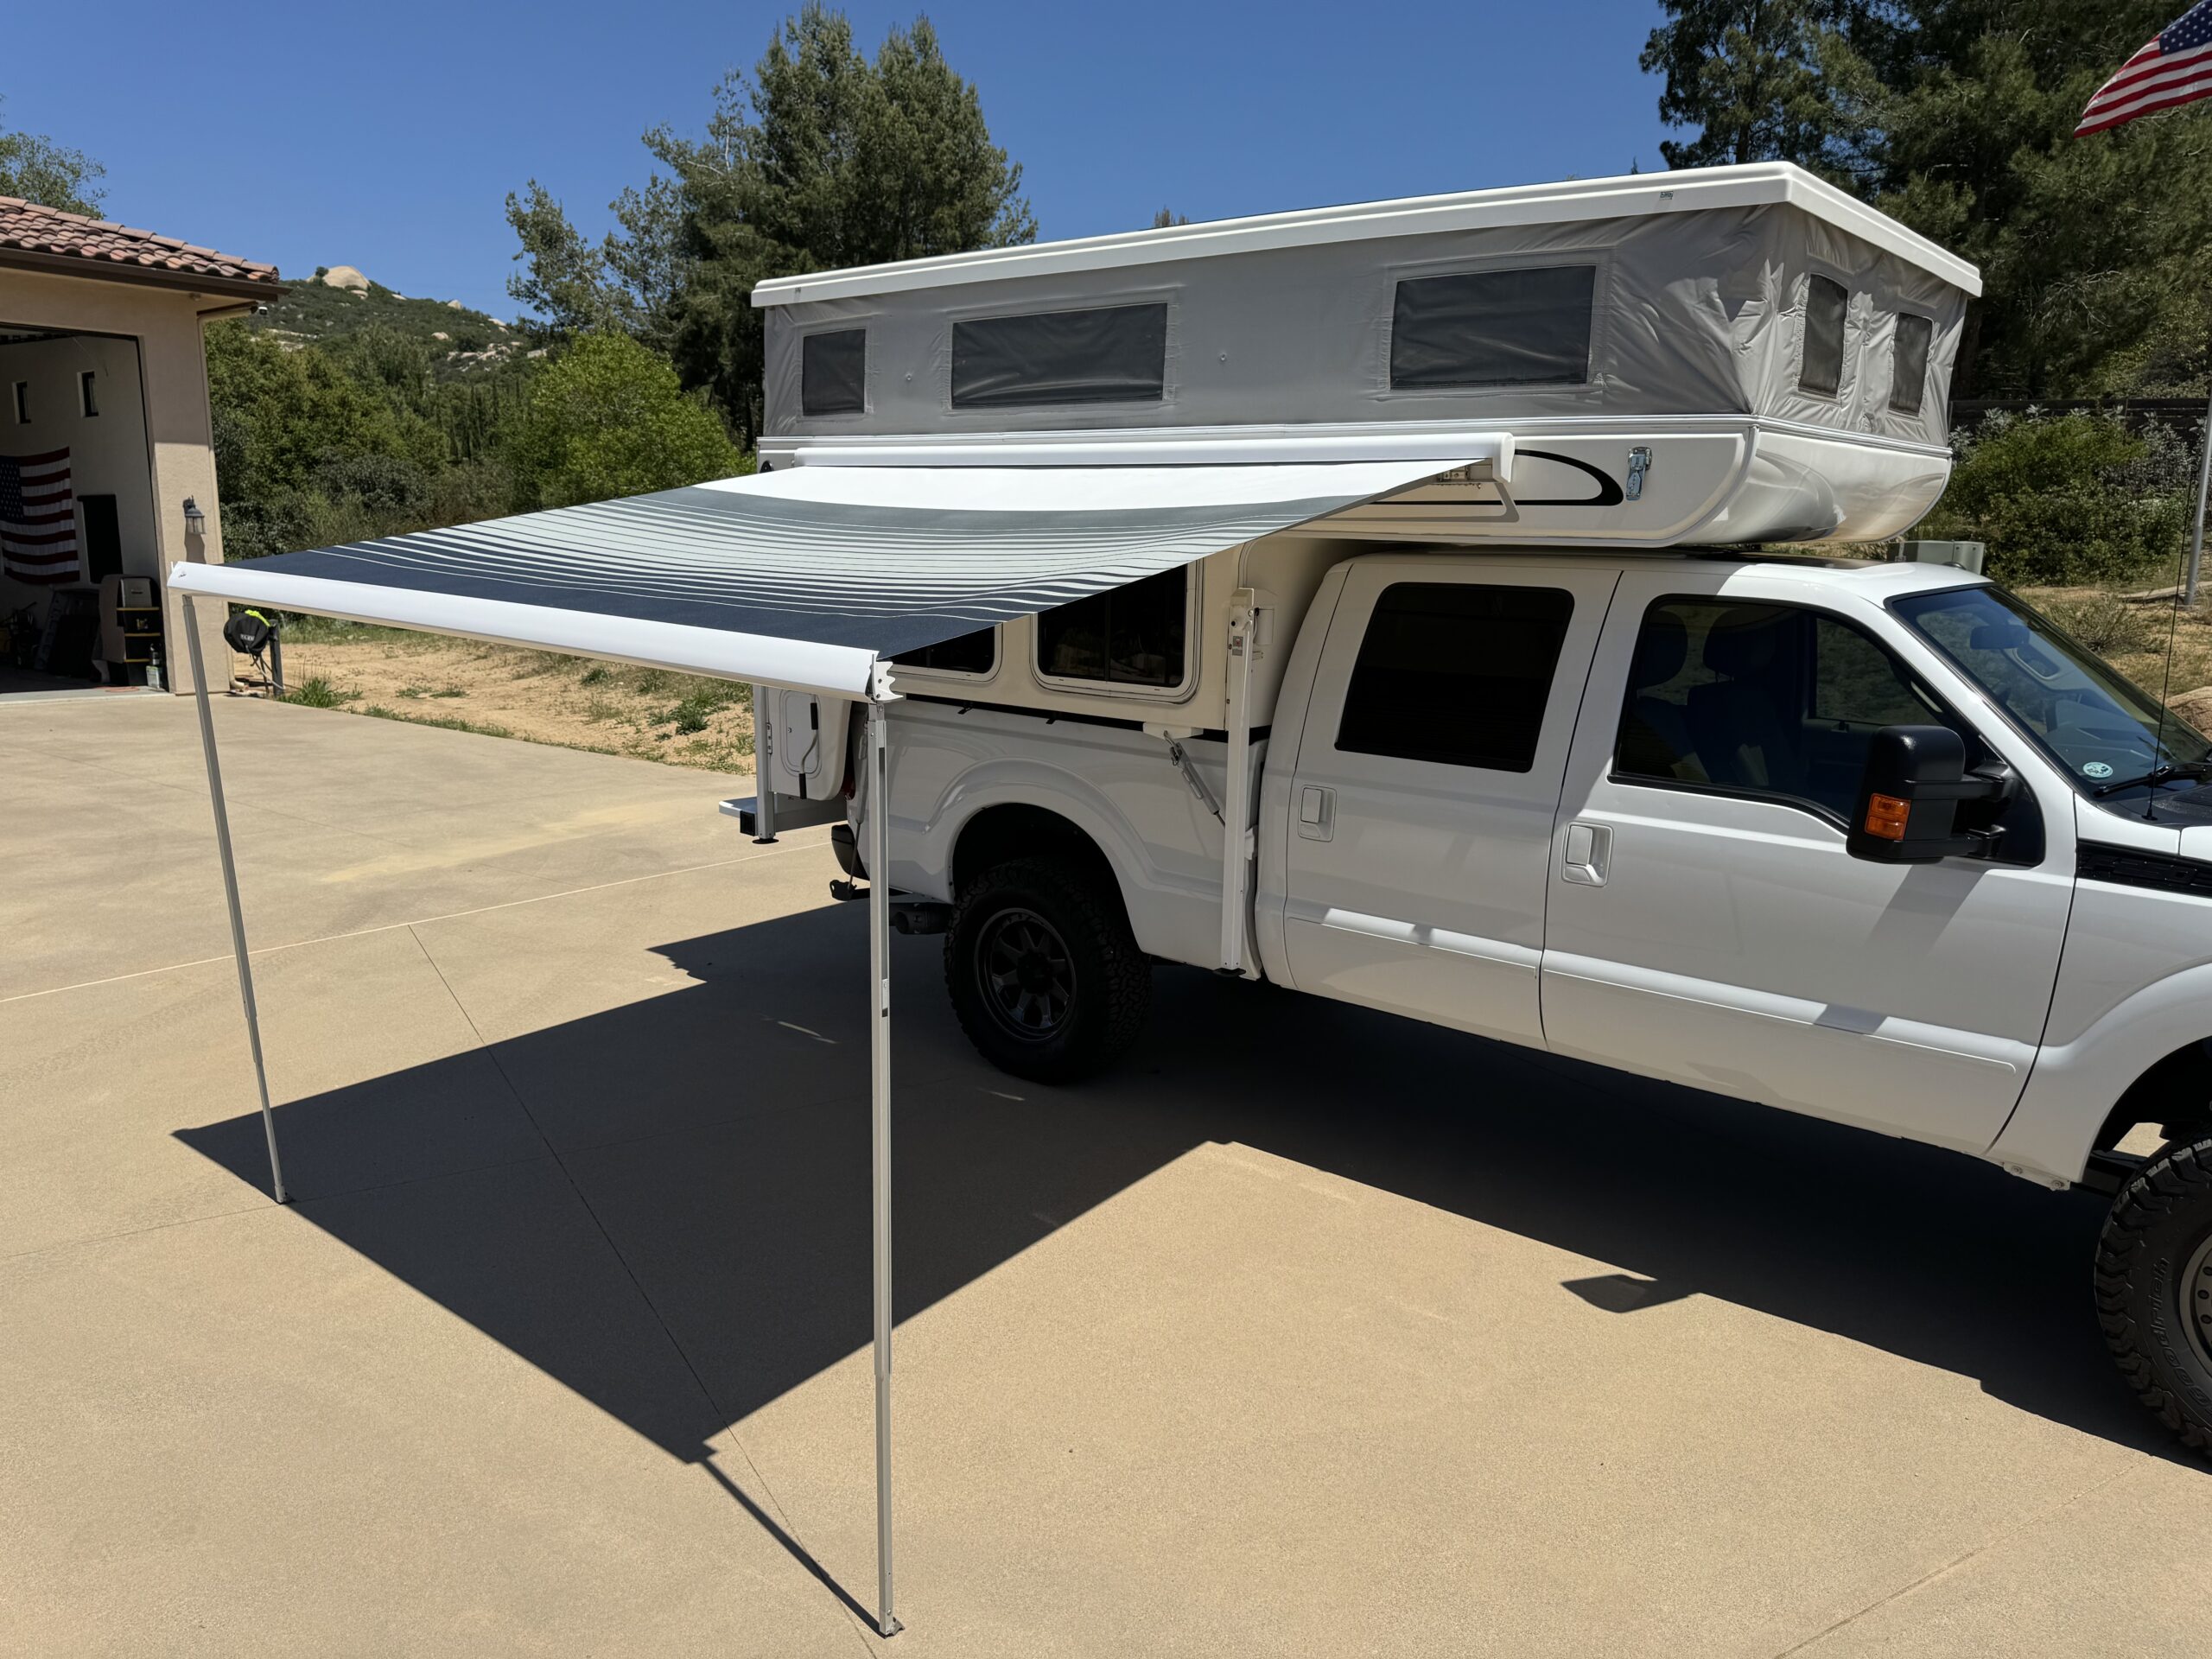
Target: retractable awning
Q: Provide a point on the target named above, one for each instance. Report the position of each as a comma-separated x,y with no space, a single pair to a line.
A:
810,578
805,578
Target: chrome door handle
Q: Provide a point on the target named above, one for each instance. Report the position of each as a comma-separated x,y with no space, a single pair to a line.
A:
1589,848
1317,812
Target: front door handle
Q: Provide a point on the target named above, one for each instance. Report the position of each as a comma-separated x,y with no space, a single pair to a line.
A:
1589,850
1317,812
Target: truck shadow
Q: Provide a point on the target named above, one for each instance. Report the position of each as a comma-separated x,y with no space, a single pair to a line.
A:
716,1137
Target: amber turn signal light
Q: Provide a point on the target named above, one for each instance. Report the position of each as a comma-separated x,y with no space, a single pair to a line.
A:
1886,817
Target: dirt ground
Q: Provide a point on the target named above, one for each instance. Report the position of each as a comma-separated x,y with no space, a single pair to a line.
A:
537,696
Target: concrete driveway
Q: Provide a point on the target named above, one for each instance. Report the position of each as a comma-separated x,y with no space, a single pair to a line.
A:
1309,1333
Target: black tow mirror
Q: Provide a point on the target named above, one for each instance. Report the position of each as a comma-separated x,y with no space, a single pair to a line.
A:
1909,794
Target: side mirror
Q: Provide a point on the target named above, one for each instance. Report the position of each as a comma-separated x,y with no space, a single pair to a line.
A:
1910,794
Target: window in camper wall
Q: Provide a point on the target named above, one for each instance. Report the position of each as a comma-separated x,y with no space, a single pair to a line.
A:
833,372
1909,363
1493,328
1112,354
974,654
1130,637
1820,366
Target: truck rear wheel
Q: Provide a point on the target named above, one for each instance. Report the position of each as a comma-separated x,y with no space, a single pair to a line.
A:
2154,1287
1045,975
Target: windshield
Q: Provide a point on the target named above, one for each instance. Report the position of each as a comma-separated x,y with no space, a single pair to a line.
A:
2098,725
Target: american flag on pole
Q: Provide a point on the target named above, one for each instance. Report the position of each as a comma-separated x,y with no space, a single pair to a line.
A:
2174,69
38,518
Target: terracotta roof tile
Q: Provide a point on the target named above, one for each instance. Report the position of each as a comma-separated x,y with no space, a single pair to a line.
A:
36,229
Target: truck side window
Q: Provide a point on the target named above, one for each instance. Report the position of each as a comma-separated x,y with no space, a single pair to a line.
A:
1129,636
1455,673
1761,700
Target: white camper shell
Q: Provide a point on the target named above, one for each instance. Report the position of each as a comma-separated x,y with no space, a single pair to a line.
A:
1743,354
1344,599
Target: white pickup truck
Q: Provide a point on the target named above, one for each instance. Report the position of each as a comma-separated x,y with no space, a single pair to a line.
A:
1875,842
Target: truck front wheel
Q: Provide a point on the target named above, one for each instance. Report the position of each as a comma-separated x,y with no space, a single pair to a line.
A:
2154,1287
1045,975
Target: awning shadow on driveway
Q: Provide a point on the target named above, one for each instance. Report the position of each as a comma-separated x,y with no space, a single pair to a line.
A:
693,1241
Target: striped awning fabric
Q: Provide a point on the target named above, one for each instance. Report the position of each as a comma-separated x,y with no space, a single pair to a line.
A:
805,577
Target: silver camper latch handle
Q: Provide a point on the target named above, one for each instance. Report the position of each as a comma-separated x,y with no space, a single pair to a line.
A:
1181,760
1639,463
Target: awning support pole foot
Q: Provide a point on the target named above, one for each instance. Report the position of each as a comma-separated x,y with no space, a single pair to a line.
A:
878,938
231,894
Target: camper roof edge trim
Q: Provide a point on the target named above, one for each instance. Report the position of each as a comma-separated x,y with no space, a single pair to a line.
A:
1147,448
1627,196
848,672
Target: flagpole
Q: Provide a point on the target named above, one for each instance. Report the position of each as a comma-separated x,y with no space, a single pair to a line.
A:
2203,483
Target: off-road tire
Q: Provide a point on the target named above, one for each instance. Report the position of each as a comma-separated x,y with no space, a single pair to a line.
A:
2160,1220
1111,979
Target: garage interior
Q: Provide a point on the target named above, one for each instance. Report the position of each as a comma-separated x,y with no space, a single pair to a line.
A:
79,590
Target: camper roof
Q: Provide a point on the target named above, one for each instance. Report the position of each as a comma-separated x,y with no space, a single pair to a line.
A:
1630,196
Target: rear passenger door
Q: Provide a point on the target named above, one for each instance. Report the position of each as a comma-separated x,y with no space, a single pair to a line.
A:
1427,778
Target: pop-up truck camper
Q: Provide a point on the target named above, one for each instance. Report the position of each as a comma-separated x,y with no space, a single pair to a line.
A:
1384,602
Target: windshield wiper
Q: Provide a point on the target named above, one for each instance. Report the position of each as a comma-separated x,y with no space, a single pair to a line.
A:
2156,775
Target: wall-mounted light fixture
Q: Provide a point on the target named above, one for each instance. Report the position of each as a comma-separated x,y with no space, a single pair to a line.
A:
196,521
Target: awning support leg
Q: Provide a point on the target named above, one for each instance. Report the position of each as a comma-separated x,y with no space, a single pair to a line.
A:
879,938
231,892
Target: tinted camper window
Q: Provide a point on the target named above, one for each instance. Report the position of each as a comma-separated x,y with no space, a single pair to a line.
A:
1909,363
1821,367
1127,636
1493,328
970,653
1455,674
1114,354
833,372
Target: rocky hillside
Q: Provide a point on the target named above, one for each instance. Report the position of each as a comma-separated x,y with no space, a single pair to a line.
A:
338,300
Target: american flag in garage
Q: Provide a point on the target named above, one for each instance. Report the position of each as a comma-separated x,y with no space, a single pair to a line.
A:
38,518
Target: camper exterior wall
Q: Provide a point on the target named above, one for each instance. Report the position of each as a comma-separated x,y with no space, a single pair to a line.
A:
1692,313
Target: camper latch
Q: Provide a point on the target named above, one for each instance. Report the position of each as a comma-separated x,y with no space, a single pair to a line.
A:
1181,762
1639,463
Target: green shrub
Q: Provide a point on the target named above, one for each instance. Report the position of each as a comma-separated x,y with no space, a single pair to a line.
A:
318,693
2062,500
2107,624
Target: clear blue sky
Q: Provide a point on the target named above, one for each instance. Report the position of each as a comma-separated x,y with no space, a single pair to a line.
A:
386,134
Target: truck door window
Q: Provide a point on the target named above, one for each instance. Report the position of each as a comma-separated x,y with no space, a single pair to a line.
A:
1131,636
1768,700
1457,674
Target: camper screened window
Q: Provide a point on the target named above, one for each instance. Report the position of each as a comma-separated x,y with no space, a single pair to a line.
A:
1821,363
1909,363
833,372
1493,328
1131,636
1112,354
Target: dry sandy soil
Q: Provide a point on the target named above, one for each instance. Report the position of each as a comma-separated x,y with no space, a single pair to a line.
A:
537,696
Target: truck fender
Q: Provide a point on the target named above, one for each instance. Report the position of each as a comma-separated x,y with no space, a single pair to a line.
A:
2075,1084
1034,785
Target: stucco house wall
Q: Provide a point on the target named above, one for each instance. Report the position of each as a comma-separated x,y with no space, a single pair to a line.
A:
152,295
